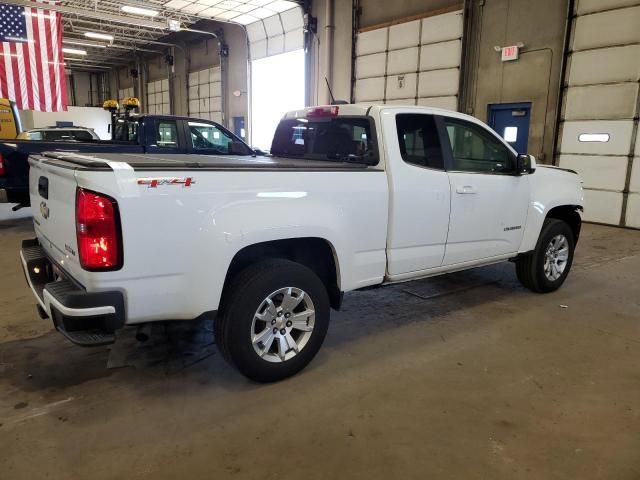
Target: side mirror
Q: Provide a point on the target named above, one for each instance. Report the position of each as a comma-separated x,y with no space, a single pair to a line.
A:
525,164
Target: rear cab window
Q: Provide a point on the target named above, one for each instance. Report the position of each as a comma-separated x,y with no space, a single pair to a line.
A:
338,138
167,134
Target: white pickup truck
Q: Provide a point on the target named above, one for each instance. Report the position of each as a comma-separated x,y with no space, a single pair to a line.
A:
352,196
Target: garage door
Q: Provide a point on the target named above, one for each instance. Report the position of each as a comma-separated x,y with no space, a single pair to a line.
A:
158,97
205,94
416,62
599,133
276,34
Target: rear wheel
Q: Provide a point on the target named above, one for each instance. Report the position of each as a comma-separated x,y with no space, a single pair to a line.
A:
273,320
546,268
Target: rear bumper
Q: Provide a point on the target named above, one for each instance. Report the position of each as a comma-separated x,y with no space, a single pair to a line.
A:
85,318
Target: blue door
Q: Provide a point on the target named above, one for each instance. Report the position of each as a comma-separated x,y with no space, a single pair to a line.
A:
511,122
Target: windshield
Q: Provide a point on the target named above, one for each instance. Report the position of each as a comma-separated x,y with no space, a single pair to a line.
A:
338,138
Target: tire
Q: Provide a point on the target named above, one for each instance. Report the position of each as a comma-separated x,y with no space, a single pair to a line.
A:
533,271
246,315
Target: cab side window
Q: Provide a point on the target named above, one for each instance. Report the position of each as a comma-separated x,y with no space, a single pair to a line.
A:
167,134
476,150
419,141
205,136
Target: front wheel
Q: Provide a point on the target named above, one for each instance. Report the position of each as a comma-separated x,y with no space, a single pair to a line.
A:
273,320
546,268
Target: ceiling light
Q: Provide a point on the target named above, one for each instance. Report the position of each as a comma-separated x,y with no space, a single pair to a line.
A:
139,11
74,51
99,36
84,44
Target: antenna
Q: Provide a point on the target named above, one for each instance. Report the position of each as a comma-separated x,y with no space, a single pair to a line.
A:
333,100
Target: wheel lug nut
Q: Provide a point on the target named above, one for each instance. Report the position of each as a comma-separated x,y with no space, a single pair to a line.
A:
279,314
275,330
273,322
287,315
289,323
283,331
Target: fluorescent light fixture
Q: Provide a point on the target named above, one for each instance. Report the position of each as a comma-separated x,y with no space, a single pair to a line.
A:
84,44
147,12
74,51
99,36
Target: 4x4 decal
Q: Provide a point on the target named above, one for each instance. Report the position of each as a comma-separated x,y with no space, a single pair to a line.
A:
156,182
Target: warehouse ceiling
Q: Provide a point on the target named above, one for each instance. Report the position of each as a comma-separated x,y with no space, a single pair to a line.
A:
110,30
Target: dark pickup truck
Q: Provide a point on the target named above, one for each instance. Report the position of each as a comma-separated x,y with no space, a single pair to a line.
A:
135,134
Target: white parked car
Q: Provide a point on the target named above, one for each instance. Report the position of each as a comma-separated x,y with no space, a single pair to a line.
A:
353,196
60,134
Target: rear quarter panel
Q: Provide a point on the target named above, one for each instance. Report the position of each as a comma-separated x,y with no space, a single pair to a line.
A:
179,241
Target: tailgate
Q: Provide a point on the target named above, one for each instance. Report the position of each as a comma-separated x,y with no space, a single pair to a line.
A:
52,189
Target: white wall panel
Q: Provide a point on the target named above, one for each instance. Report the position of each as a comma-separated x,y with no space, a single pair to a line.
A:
619,132
402,101
404,35
590,6
438,83
634,186
205,98
401,86
607,173
448,103
402,61
633,210
440,55
371,65
601,101
158,97
276,34
374,41
622,65
370,89
614,27
602,207
441,28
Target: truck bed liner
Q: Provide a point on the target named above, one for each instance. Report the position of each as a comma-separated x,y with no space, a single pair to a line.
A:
150,161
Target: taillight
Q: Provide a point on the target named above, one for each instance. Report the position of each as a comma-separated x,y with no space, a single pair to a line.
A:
98,231
2,168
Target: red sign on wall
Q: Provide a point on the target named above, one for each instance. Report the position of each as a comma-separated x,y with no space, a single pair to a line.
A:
510,53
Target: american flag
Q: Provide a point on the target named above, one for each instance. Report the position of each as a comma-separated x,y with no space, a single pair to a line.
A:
31,59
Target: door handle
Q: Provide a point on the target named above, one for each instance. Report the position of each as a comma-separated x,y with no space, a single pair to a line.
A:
466,189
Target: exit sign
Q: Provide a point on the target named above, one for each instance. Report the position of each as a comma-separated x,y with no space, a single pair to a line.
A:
510,53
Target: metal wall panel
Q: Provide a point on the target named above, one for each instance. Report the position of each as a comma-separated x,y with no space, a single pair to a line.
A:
374,41
634,186
439,83
371,65
370,89
158,97
613,27
404,35
277,34
604,172
205,96
402,61
440,55
448,103
619,132
586,68
401,86
601,102
602,206
633,210
441,28
590,6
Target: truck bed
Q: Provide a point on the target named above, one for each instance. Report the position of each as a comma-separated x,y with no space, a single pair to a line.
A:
160,162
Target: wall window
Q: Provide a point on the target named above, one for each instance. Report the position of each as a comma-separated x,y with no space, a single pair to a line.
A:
167,134
476,150
205,136
419,140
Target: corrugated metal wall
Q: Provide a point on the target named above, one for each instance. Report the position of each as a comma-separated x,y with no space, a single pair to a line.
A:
599,133
416,62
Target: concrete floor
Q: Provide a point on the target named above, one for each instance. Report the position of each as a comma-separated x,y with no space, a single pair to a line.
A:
466,376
